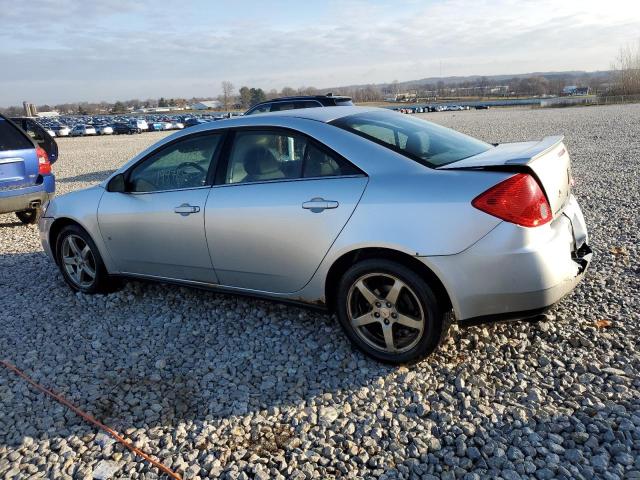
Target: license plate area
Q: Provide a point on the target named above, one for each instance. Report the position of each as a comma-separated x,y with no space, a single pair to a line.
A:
11,170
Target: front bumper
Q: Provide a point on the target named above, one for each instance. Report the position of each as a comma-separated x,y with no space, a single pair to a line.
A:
516,272
44,226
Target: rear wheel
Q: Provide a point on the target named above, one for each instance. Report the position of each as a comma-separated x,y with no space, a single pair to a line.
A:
80,262
30,216
390,312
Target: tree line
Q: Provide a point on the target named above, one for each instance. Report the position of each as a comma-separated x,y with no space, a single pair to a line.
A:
623,79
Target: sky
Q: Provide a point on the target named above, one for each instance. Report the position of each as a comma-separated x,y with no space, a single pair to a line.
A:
55,51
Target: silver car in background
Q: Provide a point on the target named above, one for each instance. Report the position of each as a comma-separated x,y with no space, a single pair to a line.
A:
397,225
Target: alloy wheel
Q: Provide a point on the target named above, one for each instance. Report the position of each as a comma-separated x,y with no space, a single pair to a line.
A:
385,312
78,261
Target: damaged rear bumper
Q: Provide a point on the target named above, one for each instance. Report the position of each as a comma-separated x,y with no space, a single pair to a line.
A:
516,272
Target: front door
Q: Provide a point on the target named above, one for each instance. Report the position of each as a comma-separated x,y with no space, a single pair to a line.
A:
281,204
157,226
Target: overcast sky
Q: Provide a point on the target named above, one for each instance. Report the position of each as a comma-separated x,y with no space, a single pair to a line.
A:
63,50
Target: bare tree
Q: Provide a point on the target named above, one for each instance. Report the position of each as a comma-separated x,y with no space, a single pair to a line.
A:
227,93
626,69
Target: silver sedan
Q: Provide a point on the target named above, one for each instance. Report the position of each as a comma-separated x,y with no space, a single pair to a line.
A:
397,225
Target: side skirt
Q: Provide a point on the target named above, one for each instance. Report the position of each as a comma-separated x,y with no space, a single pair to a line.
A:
211,287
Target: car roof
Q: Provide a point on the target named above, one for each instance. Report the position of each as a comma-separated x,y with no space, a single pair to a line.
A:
307,97
320,114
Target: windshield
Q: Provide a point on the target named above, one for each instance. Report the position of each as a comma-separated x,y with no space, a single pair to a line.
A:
425,142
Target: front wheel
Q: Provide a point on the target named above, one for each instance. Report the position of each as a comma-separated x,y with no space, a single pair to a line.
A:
389,312
29,217
80,262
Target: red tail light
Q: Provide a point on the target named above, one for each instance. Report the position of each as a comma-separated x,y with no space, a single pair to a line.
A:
44,165
518,199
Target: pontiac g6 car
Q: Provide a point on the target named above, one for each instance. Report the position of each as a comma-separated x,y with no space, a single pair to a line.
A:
389,221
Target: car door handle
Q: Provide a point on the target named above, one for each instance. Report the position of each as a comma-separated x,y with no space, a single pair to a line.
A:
319,204
186,209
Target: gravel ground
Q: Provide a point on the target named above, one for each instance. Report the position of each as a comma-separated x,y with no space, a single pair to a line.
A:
222,386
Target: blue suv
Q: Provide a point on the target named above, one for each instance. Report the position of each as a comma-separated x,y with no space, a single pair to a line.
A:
26,179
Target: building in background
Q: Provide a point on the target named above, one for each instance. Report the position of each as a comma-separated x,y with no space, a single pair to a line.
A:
50,114
30,109
575,90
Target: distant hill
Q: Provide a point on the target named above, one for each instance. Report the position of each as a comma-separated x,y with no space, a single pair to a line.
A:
583,76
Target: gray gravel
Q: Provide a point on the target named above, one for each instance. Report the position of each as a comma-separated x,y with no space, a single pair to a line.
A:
222,386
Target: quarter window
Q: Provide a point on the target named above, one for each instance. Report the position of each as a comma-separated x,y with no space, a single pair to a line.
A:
260,109
184,164
319,163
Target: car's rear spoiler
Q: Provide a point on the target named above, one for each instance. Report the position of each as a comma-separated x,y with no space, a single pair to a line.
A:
546,159
508,154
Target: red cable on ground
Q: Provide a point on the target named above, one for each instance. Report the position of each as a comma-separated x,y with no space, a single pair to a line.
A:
91,420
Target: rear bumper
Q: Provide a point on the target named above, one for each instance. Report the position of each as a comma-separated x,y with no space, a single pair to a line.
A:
24,198
516,272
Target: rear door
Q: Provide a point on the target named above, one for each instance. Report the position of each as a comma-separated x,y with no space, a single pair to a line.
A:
279,203
18,160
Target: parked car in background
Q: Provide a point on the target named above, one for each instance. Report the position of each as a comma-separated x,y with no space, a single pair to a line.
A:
39,135
303,101
390,221
140,125
190,122
121,128
156,126
26,179
82,130
104,129
61,130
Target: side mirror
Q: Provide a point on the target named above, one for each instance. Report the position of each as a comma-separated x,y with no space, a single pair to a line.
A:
117,184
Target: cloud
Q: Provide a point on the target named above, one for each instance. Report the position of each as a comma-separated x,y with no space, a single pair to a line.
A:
108,50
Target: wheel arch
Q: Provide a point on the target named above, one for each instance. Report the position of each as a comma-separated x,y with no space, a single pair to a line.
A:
56,228
342,264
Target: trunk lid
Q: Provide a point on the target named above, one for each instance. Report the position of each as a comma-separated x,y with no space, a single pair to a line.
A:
547,159
18,169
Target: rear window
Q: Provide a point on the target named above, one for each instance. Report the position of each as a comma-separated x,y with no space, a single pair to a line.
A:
345,102
11,138
425,142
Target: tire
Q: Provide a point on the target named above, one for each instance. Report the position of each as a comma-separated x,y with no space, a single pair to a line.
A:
29,217
415,321
83,282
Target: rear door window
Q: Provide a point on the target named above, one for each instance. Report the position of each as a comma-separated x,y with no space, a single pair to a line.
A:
11,138
281,106
259,156
307,104
320,163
